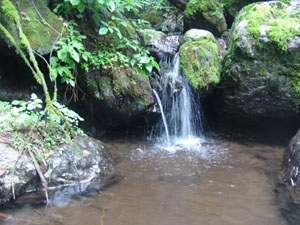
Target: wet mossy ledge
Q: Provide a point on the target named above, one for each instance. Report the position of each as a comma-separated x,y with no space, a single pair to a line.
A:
200,61
262,64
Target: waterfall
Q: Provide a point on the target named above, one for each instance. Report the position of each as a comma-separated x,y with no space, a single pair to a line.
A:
163,116
182,109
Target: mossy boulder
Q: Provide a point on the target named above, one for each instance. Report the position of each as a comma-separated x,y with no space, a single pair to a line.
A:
39,24
118,95
261,68
205,14
200,62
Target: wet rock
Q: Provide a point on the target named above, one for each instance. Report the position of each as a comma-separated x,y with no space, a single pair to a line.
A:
160,44
206,15
200,62
15,171
291,161
34,17
261,68
85,160
117,96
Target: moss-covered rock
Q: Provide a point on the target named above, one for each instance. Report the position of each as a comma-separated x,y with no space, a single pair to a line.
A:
119,95
205,14
261,68
200,62
39,24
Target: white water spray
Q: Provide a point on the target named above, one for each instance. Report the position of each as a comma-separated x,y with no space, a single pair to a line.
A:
181,110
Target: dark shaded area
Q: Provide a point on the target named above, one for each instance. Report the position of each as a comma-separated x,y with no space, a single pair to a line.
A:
262,130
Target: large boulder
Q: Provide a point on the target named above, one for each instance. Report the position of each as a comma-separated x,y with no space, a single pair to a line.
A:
207,15
261,76
200,62
40,25
117,96
85,160
81,163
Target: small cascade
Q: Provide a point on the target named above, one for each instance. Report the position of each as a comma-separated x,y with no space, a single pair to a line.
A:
182,117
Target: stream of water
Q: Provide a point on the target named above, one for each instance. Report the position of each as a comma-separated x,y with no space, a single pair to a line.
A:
222,182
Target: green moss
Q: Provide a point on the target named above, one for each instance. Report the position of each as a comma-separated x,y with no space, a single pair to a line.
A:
35,25
200,62
152,17
9,10
279,25
208,8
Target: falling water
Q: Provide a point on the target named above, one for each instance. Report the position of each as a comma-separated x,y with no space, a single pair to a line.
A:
163,116
183,113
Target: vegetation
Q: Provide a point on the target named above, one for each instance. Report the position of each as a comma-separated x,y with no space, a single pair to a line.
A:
280,26
200,63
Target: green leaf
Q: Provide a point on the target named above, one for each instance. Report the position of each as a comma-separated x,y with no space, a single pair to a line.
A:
103,31
75,56
124,24
81,8
75,2
62,54
149,67
111,6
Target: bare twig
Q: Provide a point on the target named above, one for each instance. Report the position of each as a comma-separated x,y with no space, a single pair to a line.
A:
41,175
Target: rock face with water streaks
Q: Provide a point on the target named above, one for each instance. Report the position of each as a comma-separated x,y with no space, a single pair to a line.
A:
207,15
200,62
291,161
261,68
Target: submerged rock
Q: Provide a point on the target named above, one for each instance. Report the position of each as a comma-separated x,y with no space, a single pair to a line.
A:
39,24
207,15
199,61
261,68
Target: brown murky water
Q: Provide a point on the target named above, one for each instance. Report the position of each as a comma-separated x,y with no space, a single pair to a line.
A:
221,183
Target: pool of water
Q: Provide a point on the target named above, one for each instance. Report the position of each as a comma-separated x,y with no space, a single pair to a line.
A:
212,183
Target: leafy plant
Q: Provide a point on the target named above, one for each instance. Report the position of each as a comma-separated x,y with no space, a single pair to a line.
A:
70,50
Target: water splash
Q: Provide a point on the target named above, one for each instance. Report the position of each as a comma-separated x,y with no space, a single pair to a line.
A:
182,109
